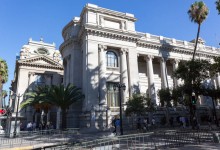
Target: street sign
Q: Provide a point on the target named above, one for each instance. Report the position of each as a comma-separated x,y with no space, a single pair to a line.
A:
2,111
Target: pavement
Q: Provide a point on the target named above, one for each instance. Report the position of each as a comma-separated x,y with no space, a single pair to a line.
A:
90,136
202,146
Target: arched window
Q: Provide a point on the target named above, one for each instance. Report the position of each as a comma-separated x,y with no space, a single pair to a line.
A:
111,59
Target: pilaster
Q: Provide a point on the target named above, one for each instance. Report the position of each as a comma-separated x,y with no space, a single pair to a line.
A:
102,75
124,72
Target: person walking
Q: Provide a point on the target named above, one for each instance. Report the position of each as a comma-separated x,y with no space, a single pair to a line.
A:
210,122
114,125
117,124
153,122
145,122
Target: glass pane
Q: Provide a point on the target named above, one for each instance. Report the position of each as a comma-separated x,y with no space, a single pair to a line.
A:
112,96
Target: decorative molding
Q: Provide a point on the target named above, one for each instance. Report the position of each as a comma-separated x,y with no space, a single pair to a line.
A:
68,43
51,64
102,47
149,57
124,50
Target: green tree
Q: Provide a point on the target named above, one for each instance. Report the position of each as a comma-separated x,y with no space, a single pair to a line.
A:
165,97
3,76
196,71
37,99
63,98
215,67
43,97
197,13
138,105
218,6
176,95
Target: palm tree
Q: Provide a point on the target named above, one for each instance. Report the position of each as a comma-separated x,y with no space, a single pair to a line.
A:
63,98
198,13
3,76
218,6
37,99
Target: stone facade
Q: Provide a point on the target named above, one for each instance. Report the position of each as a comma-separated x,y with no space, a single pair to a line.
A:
102,47
39,63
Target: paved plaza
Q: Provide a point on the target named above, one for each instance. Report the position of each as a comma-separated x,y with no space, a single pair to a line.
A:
155,139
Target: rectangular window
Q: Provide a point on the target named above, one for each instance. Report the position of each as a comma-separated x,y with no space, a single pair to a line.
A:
112,95
40,80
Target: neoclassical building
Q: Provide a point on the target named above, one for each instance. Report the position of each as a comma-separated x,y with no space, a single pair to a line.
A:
102,48
39,63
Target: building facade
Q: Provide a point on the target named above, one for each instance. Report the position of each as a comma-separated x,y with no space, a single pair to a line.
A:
102,47
38,64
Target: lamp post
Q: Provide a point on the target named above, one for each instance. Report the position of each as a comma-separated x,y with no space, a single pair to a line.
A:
16,117
120,86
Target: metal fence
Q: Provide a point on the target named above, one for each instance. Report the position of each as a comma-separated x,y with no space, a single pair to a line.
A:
68,140
151,140
26,138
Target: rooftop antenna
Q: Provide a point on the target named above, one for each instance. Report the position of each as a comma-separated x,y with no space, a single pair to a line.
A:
41,39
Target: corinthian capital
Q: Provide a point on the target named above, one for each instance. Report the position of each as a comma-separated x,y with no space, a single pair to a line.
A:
124,50
149,57
175,61
102,47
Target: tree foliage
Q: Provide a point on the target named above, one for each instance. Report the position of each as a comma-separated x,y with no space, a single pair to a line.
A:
3,76
196,71
176,95
55,95
218,6
139,105
3,71
165,97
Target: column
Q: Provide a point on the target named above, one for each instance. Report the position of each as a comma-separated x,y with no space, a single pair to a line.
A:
124,73
150,74
102,77
218,80
68,69
163,73
175,66
48,116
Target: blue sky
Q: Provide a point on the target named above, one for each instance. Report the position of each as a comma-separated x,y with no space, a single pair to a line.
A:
23,19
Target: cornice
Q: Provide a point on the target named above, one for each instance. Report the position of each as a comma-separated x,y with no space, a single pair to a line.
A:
40,66
31,62
67,43
109,33
175,49
101,10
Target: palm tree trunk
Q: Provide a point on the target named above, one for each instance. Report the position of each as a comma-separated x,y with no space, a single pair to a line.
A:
64,114
1,86
197,37
192,115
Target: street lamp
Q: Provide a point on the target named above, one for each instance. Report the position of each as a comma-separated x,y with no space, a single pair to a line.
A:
16,117
120,86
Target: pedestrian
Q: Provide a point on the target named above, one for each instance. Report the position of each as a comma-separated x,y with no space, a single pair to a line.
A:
139,123
117,124
184,122
210,122
29,126
171,121
153,122
114,125
34,126
145,123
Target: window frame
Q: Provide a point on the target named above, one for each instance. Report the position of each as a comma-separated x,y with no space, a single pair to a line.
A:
112,59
